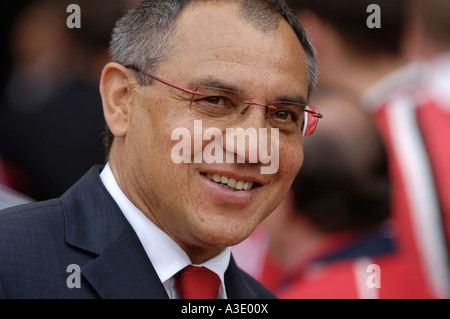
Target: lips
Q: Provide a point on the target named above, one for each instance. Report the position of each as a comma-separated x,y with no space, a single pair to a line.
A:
230,183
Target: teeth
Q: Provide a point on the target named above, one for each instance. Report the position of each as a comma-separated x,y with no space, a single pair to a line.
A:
230,183
240,185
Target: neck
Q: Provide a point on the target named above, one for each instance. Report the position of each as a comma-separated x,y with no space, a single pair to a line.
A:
197,253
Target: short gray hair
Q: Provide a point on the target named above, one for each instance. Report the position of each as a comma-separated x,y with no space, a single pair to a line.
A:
143,37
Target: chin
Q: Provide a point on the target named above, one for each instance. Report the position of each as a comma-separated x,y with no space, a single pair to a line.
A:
225,226
226,235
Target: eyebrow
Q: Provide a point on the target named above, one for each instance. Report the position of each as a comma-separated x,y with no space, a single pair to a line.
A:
300,99
212,82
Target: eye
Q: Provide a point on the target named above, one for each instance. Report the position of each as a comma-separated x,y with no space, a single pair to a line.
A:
215,103
284,115
216,100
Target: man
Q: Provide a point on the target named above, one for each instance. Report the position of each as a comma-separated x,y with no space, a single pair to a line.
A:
132,228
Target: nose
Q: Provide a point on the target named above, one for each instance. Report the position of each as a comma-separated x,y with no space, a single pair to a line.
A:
245,139
267,108
256,114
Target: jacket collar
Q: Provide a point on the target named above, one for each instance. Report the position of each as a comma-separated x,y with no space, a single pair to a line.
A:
236,284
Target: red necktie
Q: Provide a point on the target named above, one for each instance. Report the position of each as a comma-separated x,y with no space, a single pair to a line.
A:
197,283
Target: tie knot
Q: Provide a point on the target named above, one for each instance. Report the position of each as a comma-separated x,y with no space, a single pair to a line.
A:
197,283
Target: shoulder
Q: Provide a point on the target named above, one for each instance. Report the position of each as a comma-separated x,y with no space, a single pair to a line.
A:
35,256
27,227
261,291
241,285
48,216
31,237
25,215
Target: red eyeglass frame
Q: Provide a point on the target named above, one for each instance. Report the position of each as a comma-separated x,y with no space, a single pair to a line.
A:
271,107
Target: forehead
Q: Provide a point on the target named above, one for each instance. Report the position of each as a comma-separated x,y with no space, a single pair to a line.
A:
212,39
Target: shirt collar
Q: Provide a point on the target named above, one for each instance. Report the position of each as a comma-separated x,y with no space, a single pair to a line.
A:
402,80
155,241
437,81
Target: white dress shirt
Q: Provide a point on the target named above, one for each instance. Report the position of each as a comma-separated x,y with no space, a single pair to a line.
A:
166,256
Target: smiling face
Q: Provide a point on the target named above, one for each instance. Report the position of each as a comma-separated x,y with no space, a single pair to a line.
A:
213,45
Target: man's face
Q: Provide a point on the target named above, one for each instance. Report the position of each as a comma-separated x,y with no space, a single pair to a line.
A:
213,44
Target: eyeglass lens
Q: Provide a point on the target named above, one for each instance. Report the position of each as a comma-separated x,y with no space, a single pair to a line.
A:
226,105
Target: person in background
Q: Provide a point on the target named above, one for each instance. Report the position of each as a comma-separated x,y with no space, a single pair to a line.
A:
9,197
427,41
369,66
332,236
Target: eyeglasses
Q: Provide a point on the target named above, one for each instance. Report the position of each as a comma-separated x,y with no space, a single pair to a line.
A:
219,104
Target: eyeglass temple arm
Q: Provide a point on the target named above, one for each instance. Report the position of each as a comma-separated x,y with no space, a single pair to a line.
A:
134,68
315,114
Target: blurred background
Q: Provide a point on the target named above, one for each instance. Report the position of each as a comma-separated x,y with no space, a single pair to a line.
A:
51,119
374,188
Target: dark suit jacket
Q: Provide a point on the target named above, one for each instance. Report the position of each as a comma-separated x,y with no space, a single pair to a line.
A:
85,227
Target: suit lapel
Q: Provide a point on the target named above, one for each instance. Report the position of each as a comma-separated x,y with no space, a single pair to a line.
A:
124,271
95,224
237,287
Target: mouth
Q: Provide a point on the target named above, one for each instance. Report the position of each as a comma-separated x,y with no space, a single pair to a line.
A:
230,183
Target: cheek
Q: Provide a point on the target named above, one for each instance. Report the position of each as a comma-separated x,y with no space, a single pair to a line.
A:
159,176
291,160
156,123
148,144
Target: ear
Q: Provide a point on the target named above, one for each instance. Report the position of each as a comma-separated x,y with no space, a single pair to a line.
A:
116,88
